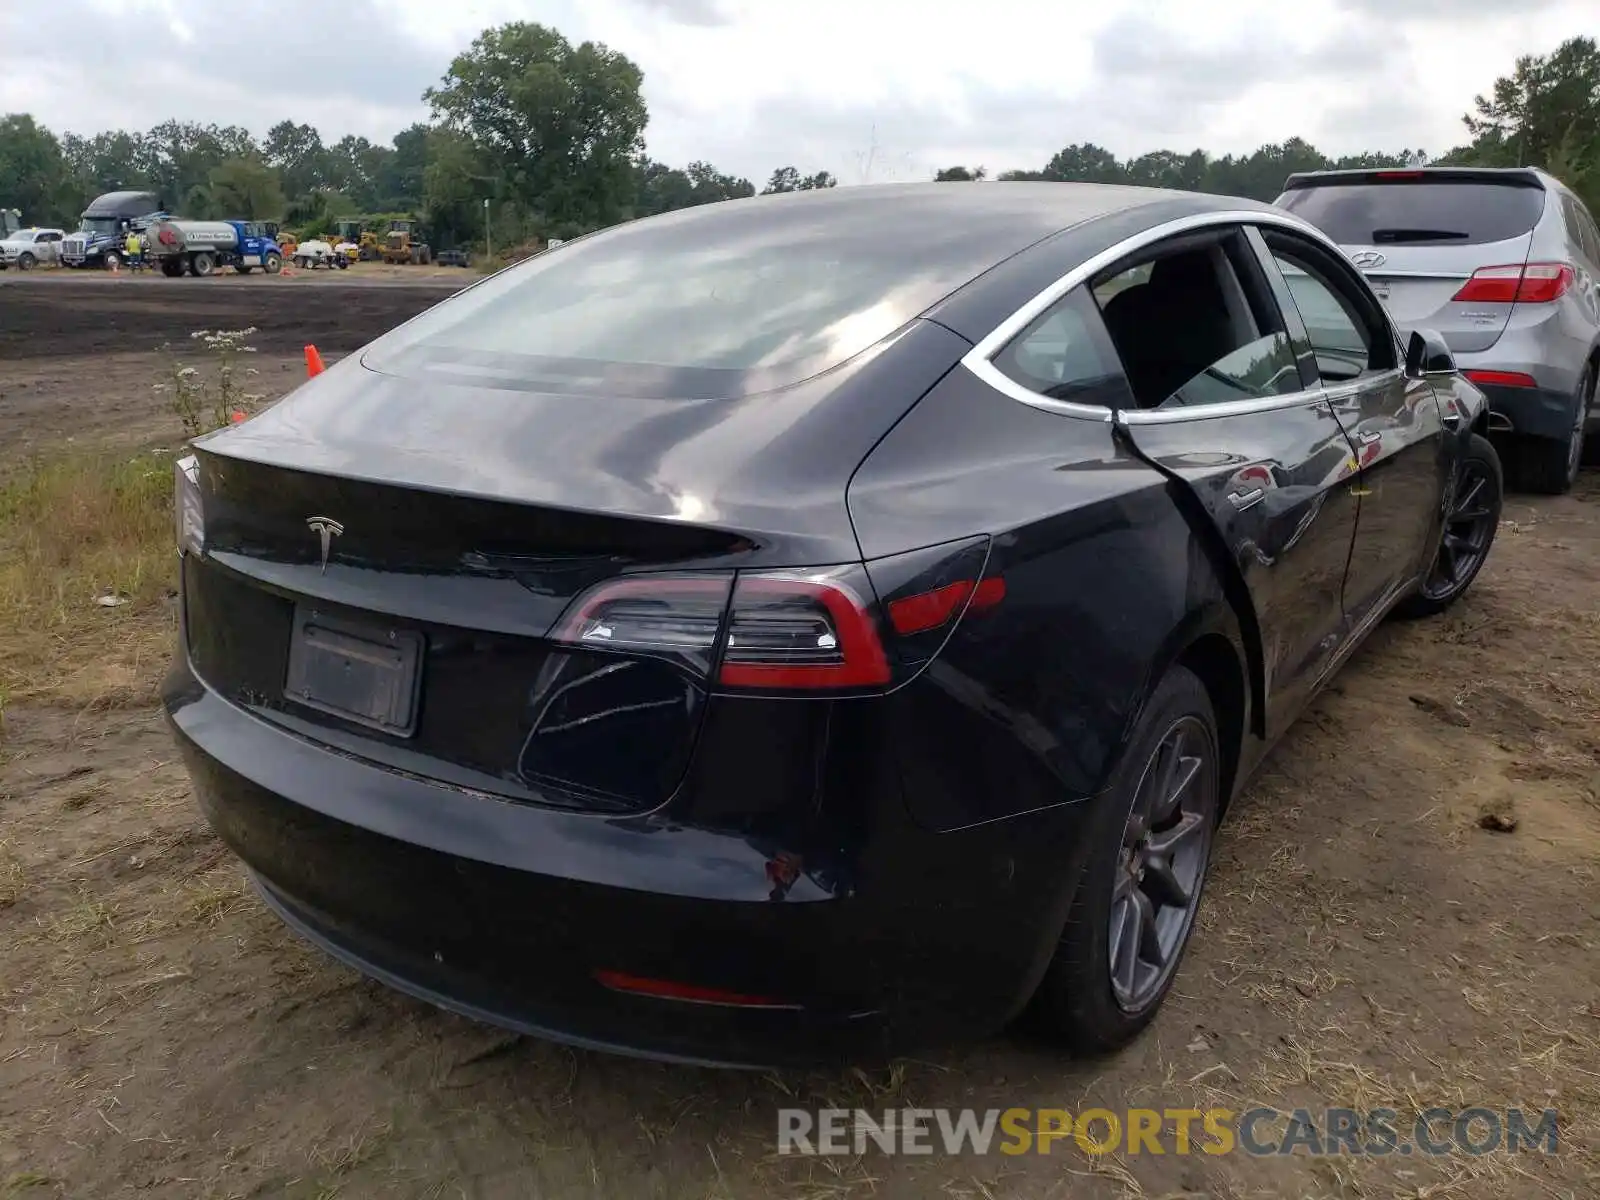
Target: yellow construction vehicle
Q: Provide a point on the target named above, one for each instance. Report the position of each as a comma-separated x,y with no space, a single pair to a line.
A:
369,249
401,246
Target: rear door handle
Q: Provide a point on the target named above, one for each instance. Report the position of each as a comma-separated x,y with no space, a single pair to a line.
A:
1245,497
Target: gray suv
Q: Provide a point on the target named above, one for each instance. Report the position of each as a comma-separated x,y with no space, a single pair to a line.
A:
1506,265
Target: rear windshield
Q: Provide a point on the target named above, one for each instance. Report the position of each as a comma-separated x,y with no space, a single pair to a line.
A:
701,304
1417,212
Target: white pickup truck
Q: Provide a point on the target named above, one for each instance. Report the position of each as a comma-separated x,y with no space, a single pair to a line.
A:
27,248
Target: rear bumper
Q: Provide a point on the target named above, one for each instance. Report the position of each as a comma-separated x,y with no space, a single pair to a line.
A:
504,911
1529,411
1547,348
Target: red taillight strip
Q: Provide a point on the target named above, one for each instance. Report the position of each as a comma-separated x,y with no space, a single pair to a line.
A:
1518,283
931,610
989,593
687,993
1502,378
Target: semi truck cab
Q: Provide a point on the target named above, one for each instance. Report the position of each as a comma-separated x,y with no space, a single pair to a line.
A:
98,239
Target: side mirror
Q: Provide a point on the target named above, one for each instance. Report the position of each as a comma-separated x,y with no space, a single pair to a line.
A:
1428,354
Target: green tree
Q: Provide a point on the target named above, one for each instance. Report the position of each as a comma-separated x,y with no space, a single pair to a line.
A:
106,162
458,178
784,179
788,179
710,185
660,188
1546,113
399,177
299,156
1544,99
34,175
244,188
960,175
1087,163
317,212
562,124
1169,169
177,157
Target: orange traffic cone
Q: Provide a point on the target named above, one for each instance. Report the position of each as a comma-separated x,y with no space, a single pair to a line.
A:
314,365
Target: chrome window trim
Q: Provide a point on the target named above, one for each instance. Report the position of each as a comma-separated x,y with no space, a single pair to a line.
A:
980,359
1222,408
1380,272
1351,387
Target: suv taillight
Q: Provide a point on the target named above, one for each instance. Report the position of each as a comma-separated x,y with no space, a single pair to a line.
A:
1517,283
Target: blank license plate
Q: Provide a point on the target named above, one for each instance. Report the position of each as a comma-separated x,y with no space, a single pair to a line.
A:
362,672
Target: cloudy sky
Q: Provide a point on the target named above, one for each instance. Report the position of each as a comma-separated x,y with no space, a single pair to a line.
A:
879,89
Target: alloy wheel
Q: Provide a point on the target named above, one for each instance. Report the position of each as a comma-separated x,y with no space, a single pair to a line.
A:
1166,846
1575,442
1468,529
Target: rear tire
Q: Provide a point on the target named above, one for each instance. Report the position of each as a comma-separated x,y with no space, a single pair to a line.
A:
1549,466
1099,991
1467,535
203,265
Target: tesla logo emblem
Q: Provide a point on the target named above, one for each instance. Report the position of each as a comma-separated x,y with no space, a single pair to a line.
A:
1369,258
326,529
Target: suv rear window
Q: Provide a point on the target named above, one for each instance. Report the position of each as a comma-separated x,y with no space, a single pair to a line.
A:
704,304
1416,212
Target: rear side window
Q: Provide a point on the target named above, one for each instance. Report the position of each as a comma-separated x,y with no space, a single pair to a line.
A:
1065,355
1581,230
1418,212
1189,332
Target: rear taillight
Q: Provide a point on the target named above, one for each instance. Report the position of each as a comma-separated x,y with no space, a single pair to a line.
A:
927,593
1501,378
813,630
1516,283
933,610
676,617
769,631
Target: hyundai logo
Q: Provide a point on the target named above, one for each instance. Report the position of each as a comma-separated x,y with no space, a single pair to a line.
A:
1369,258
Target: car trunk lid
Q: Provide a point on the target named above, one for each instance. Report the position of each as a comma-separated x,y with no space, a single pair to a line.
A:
390,564
1419,286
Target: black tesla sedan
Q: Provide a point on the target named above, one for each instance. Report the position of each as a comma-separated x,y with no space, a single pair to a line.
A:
811,625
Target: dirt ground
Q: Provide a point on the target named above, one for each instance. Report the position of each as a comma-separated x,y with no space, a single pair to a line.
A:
1365,942
80,352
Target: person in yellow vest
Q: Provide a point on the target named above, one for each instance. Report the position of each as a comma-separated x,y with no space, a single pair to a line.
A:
134,250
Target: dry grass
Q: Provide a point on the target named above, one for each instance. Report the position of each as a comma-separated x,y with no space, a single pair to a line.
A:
75,528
